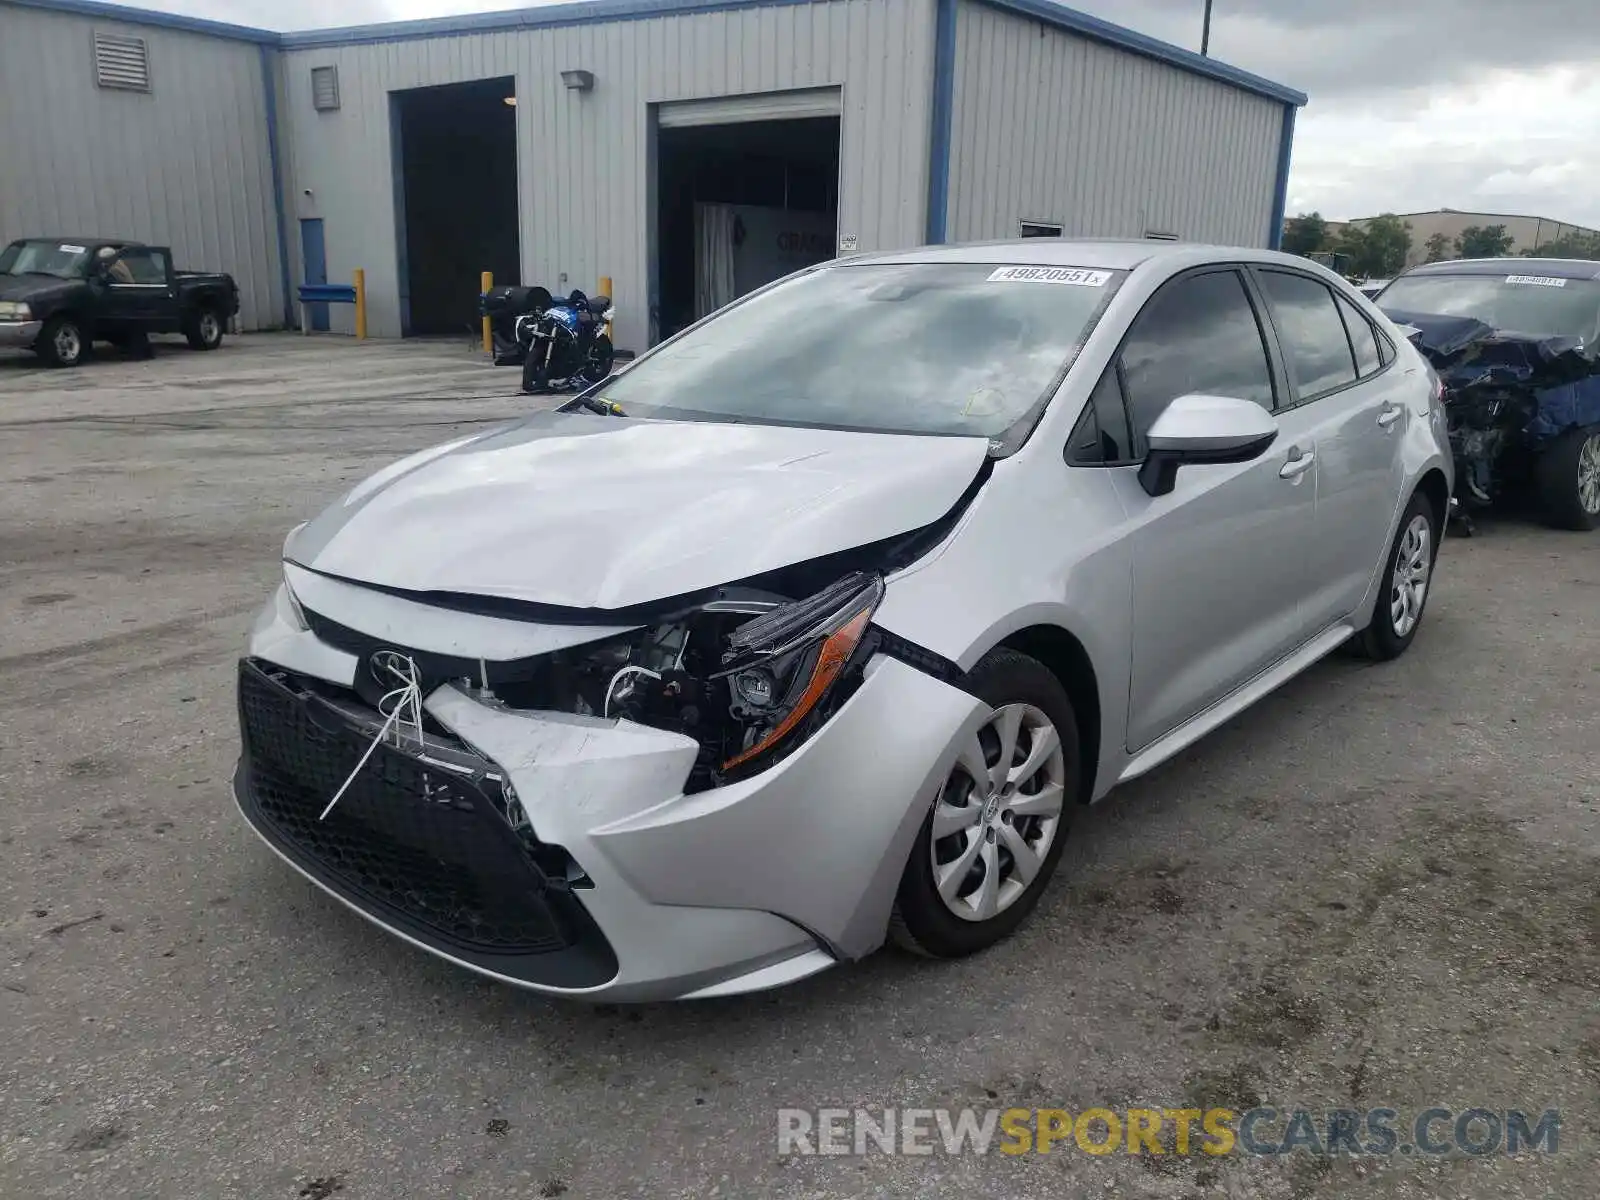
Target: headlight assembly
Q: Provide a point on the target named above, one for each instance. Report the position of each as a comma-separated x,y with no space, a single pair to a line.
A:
749,675
784,664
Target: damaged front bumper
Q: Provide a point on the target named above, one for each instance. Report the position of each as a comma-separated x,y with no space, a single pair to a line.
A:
562,853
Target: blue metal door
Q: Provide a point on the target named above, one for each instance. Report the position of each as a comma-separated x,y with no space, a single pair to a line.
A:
314,256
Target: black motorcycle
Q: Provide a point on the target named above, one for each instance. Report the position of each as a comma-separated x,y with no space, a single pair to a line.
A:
565,346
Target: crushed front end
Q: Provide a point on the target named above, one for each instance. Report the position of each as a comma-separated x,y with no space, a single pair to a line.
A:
1507,396
716,799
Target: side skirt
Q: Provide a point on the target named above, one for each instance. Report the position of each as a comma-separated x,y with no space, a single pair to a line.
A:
1274,677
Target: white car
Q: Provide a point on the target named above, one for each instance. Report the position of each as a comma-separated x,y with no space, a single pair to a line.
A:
820,622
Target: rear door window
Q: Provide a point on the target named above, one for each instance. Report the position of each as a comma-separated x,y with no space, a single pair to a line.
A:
1311,333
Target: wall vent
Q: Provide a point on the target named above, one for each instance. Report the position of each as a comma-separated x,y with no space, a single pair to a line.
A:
121,63
324,88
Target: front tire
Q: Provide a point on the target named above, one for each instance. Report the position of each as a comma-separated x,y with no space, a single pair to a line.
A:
204,330
62,342
1568,480
1407,580
996,828
601,357
535,369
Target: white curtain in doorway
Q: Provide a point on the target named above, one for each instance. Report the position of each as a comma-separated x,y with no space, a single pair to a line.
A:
714,226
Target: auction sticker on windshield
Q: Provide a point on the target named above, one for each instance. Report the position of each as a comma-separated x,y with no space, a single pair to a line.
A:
1073,275
1536,280
66,249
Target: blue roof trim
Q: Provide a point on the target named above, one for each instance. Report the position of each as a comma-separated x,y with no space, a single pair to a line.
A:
144,16
944,93
596,11
1097,30
1280,198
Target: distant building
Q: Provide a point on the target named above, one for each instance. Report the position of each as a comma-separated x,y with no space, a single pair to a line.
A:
1526,232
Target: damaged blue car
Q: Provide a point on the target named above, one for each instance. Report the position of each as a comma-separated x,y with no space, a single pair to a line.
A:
1516,343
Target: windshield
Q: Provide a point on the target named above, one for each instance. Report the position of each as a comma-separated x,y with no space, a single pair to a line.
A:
1527,304
946,348
64,260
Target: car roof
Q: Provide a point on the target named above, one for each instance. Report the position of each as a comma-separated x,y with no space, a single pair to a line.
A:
1110,254
1550,268
75,240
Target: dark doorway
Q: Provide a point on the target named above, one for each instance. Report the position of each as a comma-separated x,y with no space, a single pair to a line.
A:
456,198
776,184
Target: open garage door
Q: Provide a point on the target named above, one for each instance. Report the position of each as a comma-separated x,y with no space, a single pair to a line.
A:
456,199
760,106
747,191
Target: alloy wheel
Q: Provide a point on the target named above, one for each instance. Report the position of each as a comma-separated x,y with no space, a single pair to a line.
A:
1413,564
68,343
210,329
998,812
1589,475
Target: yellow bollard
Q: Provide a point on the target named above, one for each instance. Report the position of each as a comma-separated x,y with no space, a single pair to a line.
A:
488,336
605,290
359,278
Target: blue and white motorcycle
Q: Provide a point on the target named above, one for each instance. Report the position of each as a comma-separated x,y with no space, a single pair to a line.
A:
566,347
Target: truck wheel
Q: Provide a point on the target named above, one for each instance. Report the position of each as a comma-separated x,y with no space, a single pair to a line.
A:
1568,477
204,330
62,342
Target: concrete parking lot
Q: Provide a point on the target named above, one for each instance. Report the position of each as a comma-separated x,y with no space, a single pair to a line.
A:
1377,889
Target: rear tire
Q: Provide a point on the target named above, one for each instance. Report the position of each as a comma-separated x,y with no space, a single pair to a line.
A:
1567,476
205,329
1405,586
62,342
971,883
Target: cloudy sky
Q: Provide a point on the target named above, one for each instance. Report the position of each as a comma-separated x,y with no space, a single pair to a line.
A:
1484,105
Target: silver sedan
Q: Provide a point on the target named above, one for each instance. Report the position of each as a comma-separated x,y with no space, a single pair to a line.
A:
818,624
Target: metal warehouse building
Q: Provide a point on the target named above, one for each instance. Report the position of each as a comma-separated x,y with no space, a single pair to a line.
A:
687,149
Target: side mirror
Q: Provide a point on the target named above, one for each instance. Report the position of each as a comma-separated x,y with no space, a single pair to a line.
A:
1197,429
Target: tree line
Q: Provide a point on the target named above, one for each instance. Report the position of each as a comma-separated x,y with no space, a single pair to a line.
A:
1378,248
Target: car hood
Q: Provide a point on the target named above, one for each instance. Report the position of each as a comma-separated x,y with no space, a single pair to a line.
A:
34,287
591,512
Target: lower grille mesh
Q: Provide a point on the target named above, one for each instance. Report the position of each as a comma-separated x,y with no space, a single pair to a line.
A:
415,840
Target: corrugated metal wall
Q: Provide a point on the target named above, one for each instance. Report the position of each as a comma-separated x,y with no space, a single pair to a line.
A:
583,159
1052,126
185,165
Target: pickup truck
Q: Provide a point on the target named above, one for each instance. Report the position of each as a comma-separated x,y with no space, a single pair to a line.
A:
60,295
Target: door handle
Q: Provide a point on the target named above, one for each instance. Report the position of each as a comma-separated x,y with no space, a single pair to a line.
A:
1390,414
1298,463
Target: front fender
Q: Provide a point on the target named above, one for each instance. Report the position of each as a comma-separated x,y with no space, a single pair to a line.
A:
1037,548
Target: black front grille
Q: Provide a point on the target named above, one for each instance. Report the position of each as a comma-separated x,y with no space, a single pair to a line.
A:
407,840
